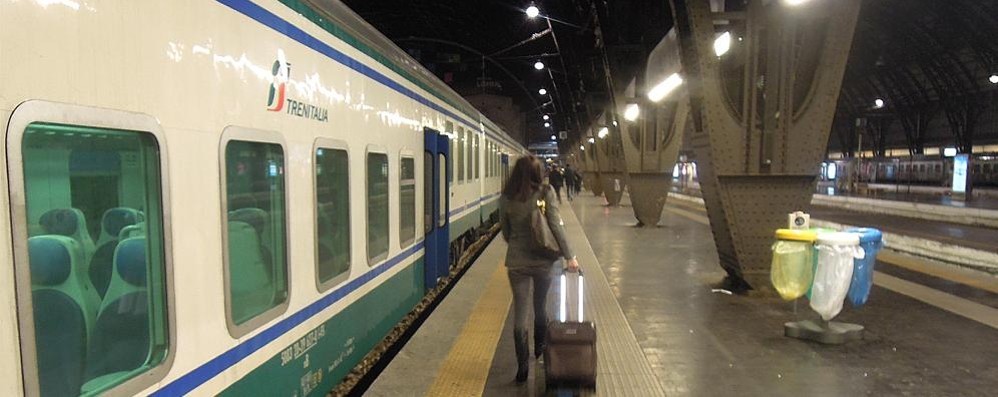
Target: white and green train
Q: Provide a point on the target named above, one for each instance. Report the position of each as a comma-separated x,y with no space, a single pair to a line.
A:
234,197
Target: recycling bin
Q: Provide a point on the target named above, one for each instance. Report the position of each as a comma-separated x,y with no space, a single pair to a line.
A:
836,253
793,262
871,241
814,263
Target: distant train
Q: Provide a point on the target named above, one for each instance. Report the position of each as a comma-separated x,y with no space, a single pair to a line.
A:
232,197
922,170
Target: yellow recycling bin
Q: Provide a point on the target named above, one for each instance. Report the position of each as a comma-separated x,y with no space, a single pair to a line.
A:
793,262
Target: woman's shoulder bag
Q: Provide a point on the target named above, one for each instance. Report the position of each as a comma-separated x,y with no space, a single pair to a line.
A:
545,244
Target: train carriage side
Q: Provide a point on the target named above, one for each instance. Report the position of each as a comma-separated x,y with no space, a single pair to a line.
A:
247,180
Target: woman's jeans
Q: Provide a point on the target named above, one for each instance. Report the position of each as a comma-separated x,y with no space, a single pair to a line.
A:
520,280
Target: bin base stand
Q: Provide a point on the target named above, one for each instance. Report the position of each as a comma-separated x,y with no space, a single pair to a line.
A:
827,332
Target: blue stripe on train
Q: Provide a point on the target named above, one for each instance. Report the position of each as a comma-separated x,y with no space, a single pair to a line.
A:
295,33
215,366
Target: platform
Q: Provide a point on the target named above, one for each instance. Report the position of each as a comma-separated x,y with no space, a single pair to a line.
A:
930,329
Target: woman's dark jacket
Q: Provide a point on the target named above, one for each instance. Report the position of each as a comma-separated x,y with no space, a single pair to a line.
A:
515,217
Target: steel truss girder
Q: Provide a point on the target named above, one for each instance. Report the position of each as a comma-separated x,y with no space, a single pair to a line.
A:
758,160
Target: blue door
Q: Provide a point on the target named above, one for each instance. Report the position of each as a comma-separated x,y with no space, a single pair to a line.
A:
436,199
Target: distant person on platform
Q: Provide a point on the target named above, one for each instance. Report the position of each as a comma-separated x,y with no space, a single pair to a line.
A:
570,181
557,180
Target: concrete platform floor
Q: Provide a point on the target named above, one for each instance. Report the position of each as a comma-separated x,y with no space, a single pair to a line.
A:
706,343
701,342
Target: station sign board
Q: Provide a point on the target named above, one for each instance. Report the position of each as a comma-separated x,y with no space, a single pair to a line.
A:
960,166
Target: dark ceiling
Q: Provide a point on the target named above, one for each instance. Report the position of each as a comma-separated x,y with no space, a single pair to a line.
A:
473,46
928,60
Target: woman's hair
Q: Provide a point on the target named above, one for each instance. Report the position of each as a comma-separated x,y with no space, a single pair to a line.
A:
525,179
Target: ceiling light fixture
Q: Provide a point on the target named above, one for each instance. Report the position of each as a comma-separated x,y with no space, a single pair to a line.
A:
632,111
533,11
722,44
661,90
603,132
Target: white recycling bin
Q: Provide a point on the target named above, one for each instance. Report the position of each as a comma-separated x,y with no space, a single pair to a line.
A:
836,252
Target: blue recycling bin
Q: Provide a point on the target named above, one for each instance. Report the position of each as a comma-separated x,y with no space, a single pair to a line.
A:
872,241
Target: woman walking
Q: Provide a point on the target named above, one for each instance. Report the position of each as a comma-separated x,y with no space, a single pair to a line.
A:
525,193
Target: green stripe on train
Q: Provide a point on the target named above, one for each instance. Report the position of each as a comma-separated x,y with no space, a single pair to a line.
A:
318,361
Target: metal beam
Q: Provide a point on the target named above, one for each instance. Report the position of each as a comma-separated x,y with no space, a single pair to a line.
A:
758,159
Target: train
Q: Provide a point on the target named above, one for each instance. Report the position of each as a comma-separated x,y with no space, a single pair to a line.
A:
917,170
229,197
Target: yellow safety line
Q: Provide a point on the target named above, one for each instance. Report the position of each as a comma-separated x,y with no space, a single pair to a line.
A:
972,310
914,264
466,368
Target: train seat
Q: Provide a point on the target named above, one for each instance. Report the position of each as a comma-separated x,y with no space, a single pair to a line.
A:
119,342
260,221
114,220
136,230
63,314
250,276
70,222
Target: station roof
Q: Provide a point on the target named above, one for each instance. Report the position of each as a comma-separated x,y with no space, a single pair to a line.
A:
485,46
930,62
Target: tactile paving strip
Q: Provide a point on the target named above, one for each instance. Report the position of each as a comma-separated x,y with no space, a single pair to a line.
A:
622,368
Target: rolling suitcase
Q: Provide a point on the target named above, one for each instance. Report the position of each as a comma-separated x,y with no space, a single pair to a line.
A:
570,356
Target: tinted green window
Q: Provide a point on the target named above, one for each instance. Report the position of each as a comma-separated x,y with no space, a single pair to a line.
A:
427,192
97,258
449,128
256,228
462,144
442,172
377,206
332,200
477,156
407,201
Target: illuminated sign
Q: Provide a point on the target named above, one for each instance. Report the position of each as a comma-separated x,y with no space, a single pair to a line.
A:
960,162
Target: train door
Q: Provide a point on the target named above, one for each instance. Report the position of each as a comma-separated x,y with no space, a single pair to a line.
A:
436,205
504,160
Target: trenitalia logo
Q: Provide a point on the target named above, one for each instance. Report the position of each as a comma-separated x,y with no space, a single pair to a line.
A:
282,73
277,99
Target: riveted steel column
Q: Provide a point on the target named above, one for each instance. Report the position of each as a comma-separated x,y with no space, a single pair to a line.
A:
650,161
612,168
758,159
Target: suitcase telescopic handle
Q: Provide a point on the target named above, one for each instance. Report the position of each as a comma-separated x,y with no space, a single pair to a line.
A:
563,312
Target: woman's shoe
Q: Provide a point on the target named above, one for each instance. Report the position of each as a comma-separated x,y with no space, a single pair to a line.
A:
521,374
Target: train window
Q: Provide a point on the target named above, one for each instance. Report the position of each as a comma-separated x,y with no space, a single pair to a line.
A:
478,155
987,168
462,143
96,252
255,230
407,201
377,207
442,172
977,169
332,215
939,168
449,129
427,192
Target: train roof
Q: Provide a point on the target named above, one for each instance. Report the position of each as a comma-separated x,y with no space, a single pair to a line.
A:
342,22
